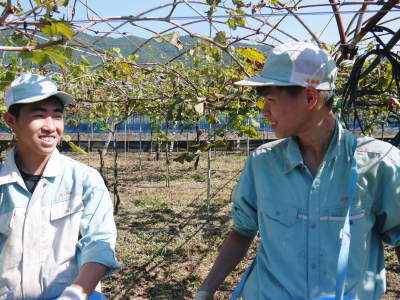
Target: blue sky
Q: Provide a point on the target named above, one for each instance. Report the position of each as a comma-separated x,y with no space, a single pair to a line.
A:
322,23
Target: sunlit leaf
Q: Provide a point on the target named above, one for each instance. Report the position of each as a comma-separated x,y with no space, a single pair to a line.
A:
62,2
260,104
66,138
76,148
252,54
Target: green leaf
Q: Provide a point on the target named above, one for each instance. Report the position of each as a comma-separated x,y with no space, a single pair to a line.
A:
38,2
232,23
58,28
241,21
250,131
66,138
211,119
186,157
62,2
37,57
260,104
252,54
220,38
58,57
76,148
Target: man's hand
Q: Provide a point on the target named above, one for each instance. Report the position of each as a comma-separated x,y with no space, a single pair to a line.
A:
232,251
89,276
73,293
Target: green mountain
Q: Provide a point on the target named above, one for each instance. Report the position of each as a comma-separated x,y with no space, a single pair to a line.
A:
148,51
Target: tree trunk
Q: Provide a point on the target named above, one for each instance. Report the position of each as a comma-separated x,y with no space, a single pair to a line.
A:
107,142
167,150
117,199
198,134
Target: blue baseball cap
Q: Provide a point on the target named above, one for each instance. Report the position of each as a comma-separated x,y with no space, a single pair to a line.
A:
28,88
296,63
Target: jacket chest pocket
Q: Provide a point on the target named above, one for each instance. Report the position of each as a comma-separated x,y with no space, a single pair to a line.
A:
65,209
65,219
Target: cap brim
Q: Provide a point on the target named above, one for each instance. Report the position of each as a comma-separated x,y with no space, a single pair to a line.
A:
62,96
261,81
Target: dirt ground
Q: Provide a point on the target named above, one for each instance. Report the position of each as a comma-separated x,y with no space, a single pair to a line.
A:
168,237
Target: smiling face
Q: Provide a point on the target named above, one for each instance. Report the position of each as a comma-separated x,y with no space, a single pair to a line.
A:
38,128
287,114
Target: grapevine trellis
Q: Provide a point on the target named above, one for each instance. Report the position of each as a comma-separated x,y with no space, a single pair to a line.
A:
212,44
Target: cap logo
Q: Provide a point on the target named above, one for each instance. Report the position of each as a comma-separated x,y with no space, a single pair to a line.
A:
313,81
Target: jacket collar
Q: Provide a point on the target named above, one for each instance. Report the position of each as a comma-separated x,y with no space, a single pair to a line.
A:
9,172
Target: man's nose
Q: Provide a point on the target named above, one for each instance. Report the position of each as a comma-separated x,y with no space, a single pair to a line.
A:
49,124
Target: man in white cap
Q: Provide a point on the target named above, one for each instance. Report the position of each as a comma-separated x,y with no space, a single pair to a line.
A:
296,193
57,232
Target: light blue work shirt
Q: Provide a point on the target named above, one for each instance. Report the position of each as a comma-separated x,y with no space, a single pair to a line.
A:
298,217
46,237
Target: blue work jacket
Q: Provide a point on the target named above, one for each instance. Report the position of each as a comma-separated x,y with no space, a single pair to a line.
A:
45,237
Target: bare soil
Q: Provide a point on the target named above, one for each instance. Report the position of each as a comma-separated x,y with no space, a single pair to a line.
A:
168,237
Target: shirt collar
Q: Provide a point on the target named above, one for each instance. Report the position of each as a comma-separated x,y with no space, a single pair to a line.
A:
293,157
53,167
9,172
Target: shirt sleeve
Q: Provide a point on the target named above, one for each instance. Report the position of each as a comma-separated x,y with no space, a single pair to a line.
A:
97,227
244,209
388,208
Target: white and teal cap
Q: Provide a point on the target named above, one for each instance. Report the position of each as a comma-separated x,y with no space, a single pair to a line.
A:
296,63
29,88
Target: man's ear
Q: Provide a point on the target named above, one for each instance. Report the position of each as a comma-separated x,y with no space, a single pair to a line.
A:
312,97
10,120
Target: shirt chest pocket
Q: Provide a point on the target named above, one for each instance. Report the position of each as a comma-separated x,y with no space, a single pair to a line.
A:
333,221
277,222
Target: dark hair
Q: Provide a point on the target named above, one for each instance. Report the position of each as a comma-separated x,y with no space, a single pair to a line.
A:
295,90
291,90
16,108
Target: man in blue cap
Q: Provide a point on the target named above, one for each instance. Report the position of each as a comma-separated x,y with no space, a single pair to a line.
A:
57,229
293,192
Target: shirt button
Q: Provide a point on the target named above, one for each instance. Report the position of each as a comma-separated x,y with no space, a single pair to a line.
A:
313,226
277,213
313,266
